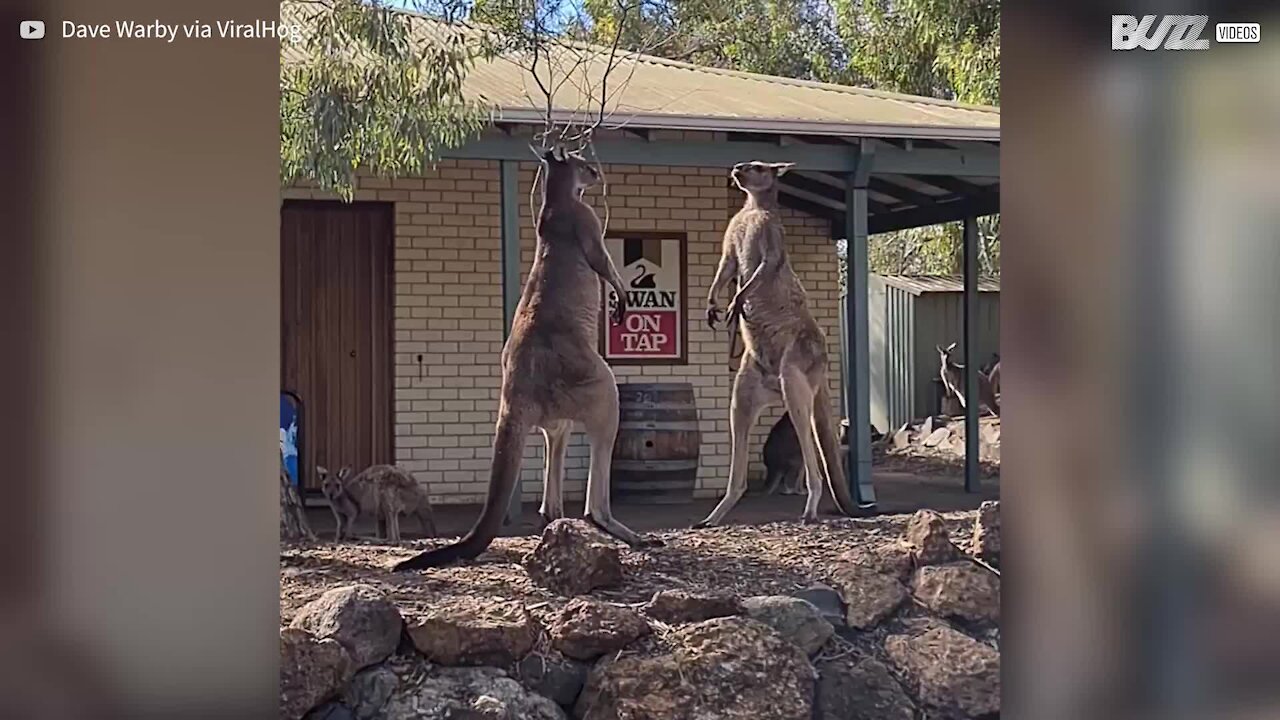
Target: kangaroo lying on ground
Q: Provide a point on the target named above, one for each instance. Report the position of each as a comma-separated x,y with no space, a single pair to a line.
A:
785,352
952,374
552,374
385,491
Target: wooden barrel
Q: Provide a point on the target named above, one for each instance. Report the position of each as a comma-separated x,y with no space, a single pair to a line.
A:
655,459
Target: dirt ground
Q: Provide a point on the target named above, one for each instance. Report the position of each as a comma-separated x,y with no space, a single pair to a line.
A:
742,559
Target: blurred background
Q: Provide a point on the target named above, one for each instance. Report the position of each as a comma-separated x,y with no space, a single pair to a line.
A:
1141,243
1140,251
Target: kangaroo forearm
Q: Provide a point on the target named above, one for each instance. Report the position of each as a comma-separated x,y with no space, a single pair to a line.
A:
755,275
721,279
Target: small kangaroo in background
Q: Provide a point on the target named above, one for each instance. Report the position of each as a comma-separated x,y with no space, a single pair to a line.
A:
783,459
385,491
952,375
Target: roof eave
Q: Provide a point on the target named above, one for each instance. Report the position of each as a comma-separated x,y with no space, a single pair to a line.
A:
665,121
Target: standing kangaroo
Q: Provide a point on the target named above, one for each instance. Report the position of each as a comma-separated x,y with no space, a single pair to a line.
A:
785,352
952,375
552,374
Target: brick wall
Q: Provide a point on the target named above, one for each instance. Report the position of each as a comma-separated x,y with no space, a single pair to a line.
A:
448,302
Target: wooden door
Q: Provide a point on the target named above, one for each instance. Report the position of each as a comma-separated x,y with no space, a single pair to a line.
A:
335,329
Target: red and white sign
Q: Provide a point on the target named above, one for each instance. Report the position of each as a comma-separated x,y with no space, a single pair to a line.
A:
653,271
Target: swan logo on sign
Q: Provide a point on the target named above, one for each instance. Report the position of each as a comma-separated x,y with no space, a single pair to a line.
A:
653,274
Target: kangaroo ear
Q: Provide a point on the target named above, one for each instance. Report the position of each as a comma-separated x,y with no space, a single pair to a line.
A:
939,348
322,470
780,169
951,347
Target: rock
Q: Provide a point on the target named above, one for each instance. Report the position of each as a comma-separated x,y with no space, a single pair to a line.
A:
730,668
889,558
991,434
331,711
953,674
960,590
926,429
554,676
674,607
311,670
827,600
902,438
927,535
570,559
861,690
474,631
986,532
406,688
797,621
587,629
936,437
359,617
869,596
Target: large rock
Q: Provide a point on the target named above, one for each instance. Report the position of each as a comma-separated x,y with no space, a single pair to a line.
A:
358,617
927,536
860,690
796,620
410,689
730,668
986,532
553,675
960,590
571,559
953,674
891,558
869,596
311,671
587,629
827,600
681,606
474,631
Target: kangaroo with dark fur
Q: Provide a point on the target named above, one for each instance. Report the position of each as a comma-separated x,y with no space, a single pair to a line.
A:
785,352
552,373
783,459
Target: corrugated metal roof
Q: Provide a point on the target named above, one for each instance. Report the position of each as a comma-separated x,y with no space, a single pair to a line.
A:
921,284
660,93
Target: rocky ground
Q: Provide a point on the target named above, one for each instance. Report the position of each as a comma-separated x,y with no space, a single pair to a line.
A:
935,445
887,617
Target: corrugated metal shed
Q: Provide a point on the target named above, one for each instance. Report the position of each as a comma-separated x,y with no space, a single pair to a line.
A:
909,318
921,284
663,93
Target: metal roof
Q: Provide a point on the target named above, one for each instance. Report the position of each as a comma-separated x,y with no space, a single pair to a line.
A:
659,93
921,284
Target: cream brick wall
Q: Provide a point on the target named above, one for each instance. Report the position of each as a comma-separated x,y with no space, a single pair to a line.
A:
448,308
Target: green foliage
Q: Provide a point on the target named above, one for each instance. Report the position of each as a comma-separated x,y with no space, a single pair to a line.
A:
947,49
359,93
938,48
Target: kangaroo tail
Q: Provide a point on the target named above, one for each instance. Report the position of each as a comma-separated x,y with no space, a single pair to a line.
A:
508,450
828,442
